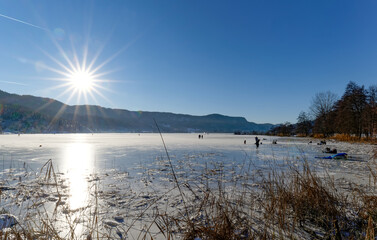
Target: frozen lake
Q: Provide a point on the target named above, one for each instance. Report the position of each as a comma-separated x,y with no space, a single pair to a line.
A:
79,155
127,173
125,151
87,153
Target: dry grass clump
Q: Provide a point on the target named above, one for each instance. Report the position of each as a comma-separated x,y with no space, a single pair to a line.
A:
219,217
353,139
214,210
216,219
45,219
303,201
318,135
296,204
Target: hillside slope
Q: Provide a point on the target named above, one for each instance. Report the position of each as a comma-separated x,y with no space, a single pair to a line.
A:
25,113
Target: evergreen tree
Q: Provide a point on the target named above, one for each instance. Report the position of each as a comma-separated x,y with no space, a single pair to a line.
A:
370,113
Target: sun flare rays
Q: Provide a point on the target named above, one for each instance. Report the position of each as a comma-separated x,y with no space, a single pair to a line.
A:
81,77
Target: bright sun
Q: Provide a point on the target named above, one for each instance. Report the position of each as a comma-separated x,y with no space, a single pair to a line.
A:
82,78
82,81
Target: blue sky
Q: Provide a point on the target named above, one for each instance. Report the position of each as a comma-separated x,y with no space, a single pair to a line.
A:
263,60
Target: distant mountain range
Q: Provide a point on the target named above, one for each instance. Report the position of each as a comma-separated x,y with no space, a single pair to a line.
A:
30,114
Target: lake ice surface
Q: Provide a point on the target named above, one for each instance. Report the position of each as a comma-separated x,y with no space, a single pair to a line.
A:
143,158
78,155
124,151
81,154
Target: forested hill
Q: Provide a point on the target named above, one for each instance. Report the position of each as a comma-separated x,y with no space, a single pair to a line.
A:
30,114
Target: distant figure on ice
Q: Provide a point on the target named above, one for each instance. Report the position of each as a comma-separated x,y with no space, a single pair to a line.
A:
257,141
244,141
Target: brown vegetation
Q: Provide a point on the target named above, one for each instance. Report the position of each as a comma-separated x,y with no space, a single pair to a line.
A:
355,139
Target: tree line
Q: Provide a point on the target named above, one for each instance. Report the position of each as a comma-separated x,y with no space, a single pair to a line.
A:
354,114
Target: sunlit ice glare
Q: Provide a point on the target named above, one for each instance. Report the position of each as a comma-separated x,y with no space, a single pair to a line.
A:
78,164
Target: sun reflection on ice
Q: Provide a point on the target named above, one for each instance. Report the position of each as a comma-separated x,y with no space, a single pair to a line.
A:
78,163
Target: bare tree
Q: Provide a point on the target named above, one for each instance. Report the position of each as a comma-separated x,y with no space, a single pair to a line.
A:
323,103
304,125
321,108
